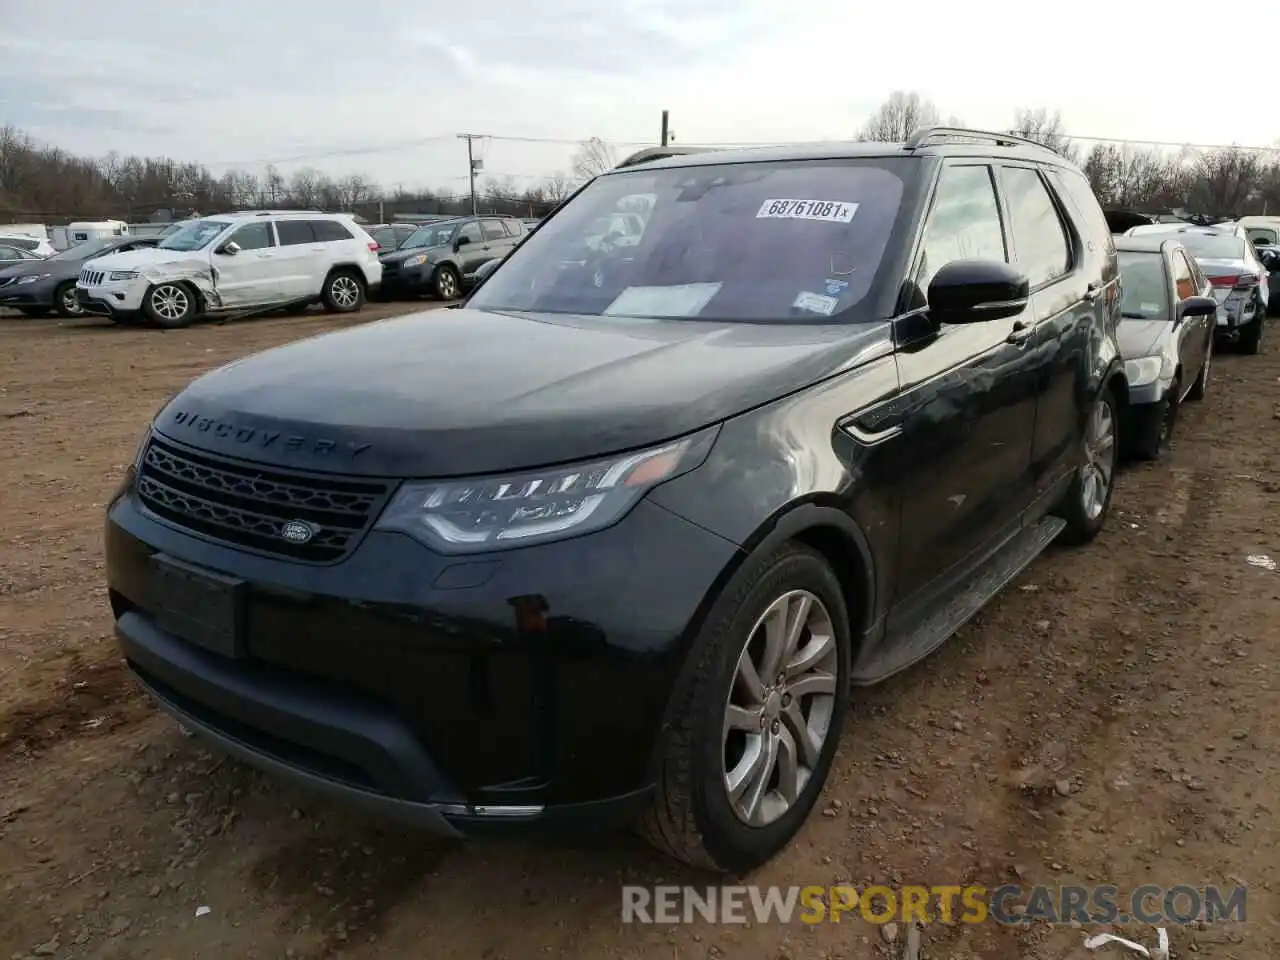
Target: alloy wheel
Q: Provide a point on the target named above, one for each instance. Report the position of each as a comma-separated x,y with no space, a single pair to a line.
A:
448,288
1100,459
779,709
170,302
70,302
344,291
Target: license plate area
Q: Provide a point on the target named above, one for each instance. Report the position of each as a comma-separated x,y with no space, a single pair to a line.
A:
199,606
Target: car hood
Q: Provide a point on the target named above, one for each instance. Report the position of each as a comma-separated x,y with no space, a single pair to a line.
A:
404,253
28,267
1142,338
460,392
145,257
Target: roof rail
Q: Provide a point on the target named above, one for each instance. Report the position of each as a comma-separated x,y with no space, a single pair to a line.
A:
659,153
923,136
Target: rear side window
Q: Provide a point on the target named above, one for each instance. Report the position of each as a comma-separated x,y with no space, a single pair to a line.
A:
964,223
327,230
1038,237
22,242
294,232
1183,276
772,241
514,228
493,229
1075,186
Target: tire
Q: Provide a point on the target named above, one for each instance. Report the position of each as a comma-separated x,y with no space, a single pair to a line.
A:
170,305
1153,425
448,285
1201,386
65,302
1251,336
343,292
692,817
1083,515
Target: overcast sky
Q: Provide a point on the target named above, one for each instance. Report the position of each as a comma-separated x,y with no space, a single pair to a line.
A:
382,88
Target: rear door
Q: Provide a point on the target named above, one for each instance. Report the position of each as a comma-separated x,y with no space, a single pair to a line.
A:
299,250
970,405
1070,310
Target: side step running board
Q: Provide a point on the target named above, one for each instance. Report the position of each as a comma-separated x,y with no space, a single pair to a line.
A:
897,652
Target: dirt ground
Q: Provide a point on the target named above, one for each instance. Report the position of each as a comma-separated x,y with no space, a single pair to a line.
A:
1109,719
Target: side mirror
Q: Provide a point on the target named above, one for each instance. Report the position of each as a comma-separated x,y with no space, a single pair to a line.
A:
460,242
1197,307
973,291
230,247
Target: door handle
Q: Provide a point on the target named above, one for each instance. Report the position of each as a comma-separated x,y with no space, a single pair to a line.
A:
1092,291
1021,332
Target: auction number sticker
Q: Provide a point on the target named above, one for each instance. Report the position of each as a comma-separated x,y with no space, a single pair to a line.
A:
830,211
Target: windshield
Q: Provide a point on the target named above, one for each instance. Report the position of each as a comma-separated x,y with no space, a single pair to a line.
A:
1213,246
430,236
798,241
82,251
1144,290
193,236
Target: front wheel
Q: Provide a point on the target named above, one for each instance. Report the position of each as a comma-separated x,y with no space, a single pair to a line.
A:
448,284
1153,425
170,305
1201,386
65,300
1085,505
343,292
755,723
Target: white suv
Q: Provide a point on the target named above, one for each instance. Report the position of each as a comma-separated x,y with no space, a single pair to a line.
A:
240,261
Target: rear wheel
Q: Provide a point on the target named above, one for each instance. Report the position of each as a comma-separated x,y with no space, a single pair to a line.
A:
170,305
65,301
1251,336
1085,505
343,292
755,724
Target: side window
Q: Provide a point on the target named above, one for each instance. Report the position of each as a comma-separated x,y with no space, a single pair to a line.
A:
964,223
493,229
294,232
328,230
403,234
514,228
1183,277
471,231
10,253
1075,187
253,236
1043,252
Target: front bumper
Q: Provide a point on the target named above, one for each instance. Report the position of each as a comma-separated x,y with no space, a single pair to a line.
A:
19,295
520,688
112,299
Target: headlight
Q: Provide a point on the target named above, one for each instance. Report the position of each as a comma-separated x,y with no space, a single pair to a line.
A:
123,275
417,260
34,279
495,513
1143,371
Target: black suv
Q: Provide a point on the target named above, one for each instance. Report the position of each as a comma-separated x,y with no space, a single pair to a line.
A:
613,540
442,258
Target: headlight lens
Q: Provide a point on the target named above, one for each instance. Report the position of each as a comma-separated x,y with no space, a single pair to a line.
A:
417,260
1143,371
123,275
35,278
496,513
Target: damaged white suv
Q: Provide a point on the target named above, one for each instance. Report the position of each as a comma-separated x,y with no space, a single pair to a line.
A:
233,263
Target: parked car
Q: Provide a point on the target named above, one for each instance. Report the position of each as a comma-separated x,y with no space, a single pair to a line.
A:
614,539
10,255
442,258
1167,328
391,236
1239,282
235,262
36,245
38,286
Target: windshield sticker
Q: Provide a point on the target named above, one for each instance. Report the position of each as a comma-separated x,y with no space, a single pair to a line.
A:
837,287
816,303
683,300
1150,307
829,211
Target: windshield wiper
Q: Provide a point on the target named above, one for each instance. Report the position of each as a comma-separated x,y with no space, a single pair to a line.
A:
1134,315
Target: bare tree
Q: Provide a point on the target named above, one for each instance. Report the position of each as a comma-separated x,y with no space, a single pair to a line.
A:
304,187
899,116
593,158
557,186
1046,129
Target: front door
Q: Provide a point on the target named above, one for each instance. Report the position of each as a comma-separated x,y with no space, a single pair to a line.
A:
1195,330
471,253
251,275
968,405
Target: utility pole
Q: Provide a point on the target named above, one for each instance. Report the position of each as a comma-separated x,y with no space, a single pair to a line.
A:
471,168
665,117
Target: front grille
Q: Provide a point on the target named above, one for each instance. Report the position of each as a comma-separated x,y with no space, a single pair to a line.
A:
249,506
91,278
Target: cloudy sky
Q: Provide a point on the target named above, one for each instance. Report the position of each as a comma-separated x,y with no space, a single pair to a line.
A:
383,88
